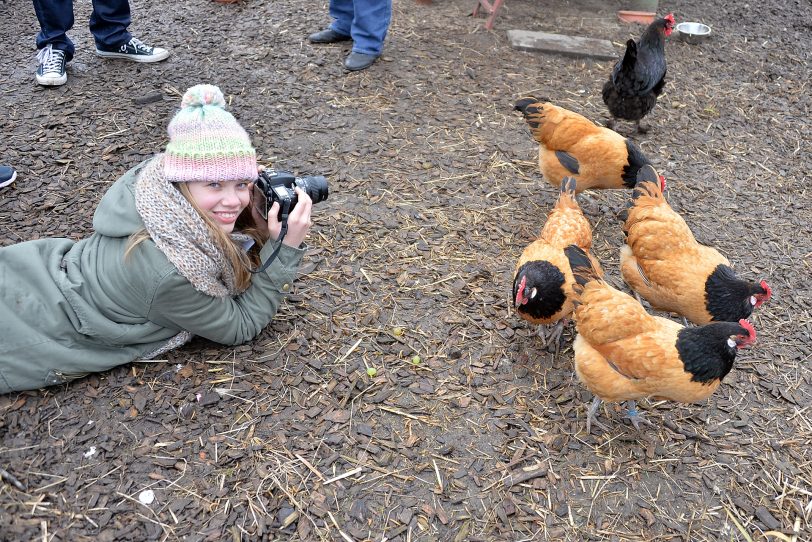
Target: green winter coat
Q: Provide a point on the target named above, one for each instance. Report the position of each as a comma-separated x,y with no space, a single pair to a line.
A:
72,308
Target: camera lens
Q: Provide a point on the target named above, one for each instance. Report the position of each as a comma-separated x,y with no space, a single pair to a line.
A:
315,186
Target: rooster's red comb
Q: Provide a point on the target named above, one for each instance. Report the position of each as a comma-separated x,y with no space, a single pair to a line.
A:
751,331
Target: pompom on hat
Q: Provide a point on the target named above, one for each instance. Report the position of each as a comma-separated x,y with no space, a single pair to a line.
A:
206,143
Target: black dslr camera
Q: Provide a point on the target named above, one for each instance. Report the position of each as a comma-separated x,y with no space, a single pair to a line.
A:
272,185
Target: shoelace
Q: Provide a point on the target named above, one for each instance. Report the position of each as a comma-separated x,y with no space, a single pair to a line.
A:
138,45
51,59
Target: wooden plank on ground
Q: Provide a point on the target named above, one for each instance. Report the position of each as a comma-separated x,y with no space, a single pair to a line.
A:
576,46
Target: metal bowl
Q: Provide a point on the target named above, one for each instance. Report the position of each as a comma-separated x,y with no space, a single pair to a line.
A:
693,32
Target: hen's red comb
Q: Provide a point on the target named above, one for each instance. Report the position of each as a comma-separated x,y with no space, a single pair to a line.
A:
662,183
669,18
769,290
520,291
751,331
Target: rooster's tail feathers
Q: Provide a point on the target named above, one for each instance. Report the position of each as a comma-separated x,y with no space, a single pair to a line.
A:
630,56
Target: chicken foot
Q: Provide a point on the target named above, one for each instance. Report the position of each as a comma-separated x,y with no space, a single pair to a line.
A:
554,334
631,412
635,416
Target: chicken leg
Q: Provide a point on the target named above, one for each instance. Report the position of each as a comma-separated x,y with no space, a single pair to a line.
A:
554,333
592,415
635,416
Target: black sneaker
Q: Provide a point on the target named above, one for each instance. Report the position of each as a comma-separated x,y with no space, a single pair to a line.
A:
51,70
136,51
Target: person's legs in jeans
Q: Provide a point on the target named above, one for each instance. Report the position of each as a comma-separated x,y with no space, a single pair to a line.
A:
369,25
55,19
109,22
343,12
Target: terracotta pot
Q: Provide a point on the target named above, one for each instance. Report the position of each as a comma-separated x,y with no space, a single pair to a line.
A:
642,17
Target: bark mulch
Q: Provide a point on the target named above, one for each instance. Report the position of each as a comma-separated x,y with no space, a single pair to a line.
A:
397,396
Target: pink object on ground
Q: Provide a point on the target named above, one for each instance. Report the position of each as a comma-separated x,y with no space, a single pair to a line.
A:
489,7
642,17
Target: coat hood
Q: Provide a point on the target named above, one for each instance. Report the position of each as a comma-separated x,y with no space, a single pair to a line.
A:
116,215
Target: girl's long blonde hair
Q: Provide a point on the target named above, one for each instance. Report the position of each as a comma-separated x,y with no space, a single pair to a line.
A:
239,260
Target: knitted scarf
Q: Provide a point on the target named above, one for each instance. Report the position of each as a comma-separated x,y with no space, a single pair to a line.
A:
180,233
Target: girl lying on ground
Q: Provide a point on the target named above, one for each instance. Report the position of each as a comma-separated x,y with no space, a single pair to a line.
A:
165,261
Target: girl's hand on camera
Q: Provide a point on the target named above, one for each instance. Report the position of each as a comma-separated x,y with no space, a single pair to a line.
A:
260,223
298,220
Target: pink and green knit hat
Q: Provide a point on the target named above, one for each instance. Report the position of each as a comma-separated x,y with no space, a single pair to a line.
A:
206,143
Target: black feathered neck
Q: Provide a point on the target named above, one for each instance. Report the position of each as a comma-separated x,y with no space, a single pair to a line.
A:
654,35
705,351
727,296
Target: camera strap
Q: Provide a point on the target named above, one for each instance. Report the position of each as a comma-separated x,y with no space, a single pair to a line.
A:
282,233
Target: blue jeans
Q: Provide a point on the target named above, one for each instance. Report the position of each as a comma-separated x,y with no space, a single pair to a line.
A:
366,21
108,24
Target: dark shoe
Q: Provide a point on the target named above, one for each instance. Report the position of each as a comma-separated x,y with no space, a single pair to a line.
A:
359,61
328,36
51,67
7,175
135,50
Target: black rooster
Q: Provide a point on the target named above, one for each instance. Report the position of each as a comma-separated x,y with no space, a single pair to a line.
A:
631,92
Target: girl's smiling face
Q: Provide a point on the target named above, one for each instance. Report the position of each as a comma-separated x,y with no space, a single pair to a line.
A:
223,201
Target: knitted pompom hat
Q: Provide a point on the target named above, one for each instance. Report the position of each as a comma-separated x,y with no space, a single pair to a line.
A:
205,141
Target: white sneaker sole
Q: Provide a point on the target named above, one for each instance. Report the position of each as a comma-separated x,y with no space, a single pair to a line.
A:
49,81
8,182
157,55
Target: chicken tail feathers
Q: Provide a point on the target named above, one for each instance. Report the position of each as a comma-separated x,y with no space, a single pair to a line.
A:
649,185
647,193
568,186
581,266
566,198
522,104
630,56
648,173
627,64
533,111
